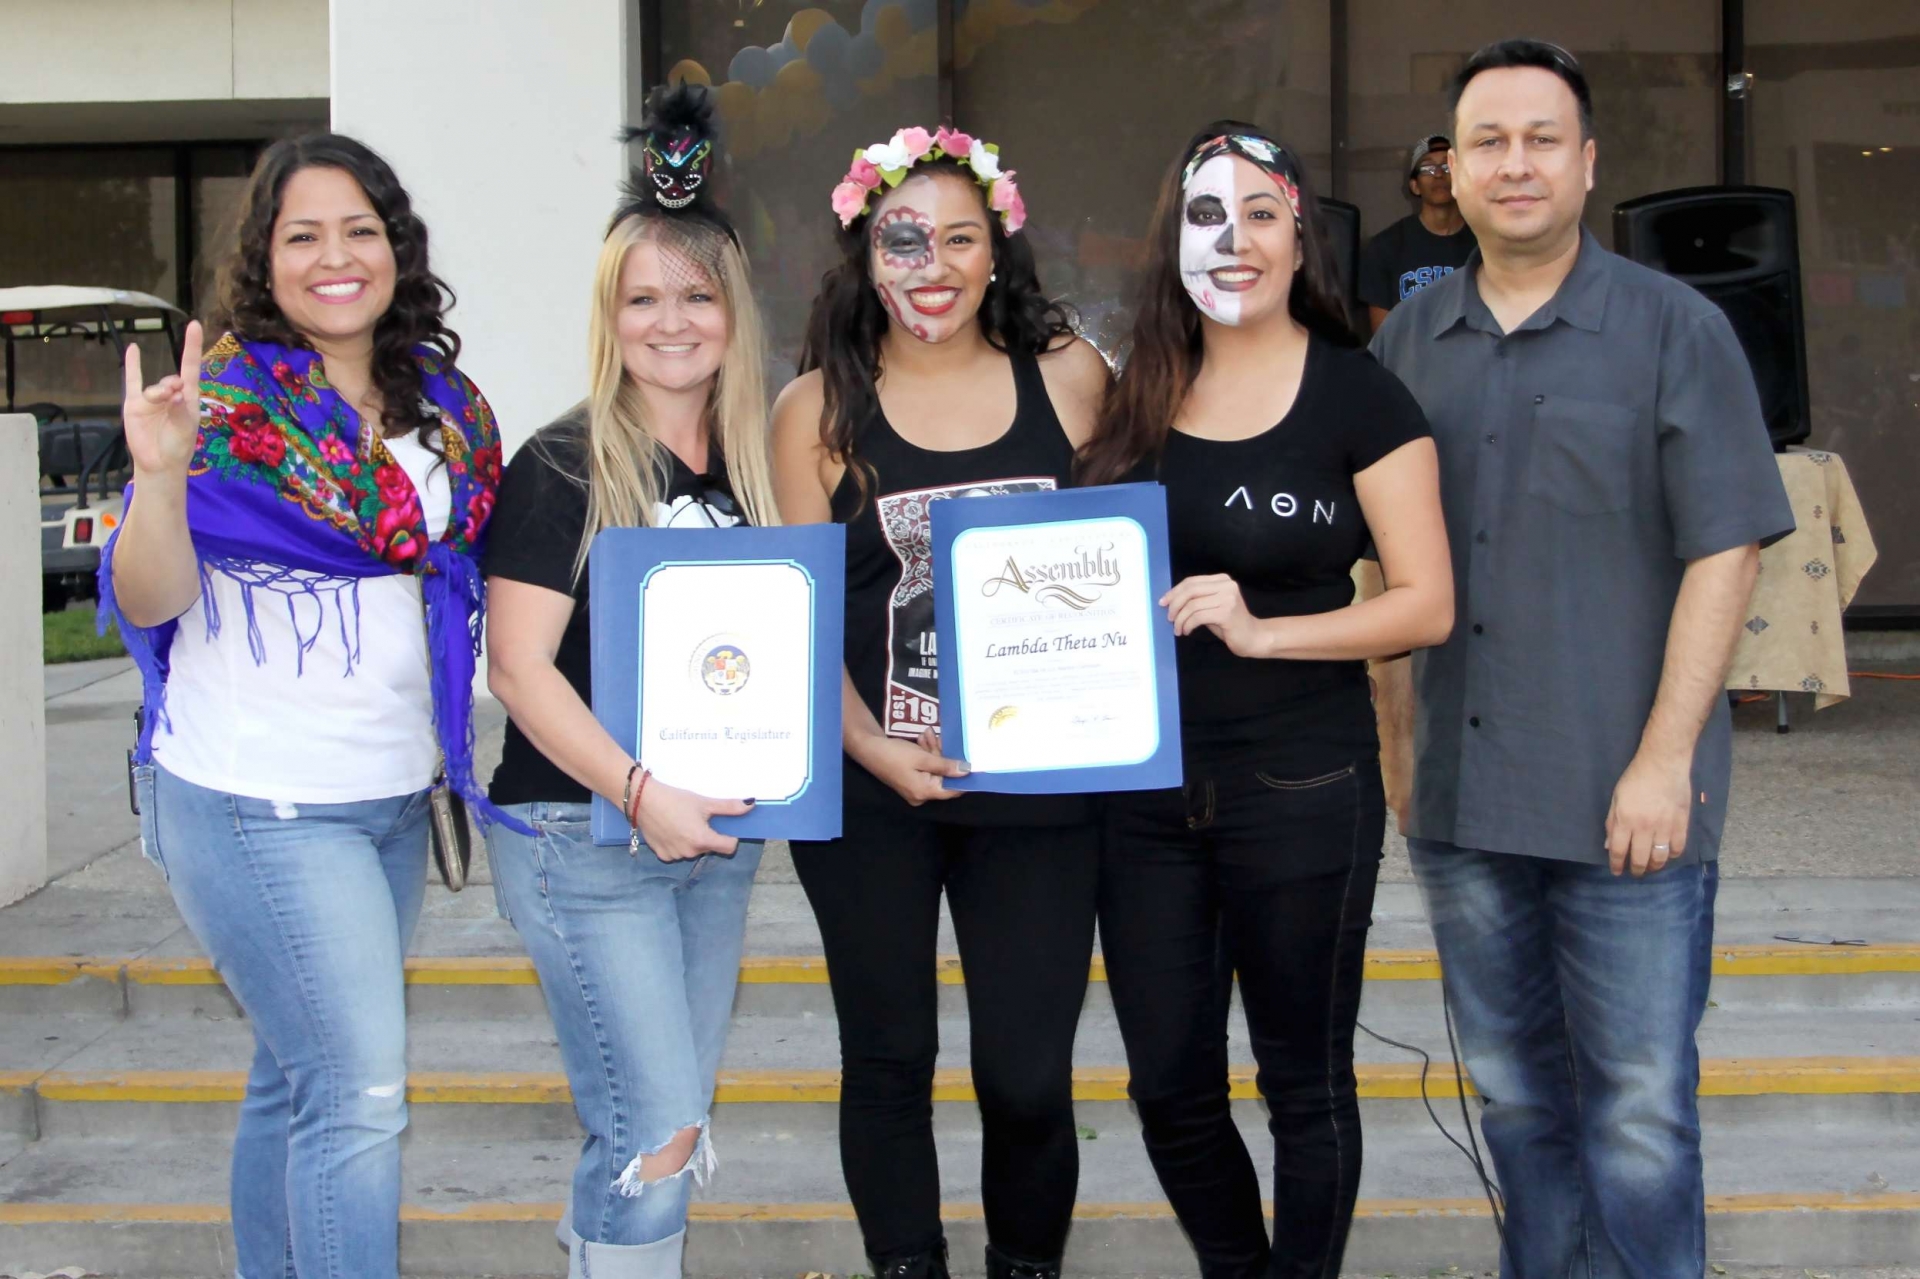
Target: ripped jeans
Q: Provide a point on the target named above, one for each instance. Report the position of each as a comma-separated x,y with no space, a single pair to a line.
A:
638,959
306,910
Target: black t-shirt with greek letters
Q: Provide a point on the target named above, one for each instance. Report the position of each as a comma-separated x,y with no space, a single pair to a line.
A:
1277,513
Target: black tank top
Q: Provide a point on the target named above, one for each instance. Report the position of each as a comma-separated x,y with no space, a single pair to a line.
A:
890,645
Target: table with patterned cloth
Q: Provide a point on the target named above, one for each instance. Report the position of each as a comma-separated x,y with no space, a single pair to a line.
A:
1793,641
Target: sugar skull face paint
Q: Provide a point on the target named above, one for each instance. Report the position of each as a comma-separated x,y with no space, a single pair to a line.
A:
1238,245
930,255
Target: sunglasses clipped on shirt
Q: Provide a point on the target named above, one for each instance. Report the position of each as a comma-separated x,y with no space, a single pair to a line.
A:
713,498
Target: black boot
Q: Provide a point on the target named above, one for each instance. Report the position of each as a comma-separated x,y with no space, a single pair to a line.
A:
1001,1266
919,1265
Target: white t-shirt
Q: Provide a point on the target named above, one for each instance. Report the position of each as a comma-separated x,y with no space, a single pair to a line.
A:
303,729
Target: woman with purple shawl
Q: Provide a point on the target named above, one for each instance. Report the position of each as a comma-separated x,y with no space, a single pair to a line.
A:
296,579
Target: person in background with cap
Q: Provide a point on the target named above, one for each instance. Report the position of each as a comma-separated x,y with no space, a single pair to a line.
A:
1428,244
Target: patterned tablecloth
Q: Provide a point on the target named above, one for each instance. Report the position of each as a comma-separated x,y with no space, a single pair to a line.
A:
1794,641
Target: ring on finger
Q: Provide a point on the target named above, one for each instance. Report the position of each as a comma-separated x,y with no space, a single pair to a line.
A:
1663,848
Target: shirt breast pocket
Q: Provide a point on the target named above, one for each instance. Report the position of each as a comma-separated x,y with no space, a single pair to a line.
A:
1582,458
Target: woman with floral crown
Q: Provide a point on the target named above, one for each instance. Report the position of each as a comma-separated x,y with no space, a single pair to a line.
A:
935,367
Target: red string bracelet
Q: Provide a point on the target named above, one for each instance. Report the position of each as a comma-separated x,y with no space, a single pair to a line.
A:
633,806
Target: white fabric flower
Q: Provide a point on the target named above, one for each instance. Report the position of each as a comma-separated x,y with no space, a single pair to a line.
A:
891,154
984,163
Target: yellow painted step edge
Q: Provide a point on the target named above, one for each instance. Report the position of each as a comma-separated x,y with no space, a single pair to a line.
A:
741,1213
1732,1077
517,970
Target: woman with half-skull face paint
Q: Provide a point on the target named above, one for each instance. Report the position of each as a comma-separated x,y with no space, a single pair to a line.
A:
1285,451
935,367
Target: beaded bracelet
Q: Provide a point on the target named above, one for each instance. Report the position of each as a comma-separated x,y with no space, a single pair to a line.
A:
631,804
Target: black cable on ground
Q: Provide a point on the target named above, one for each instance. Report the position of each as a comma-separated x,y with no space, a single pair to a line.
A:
1495,1200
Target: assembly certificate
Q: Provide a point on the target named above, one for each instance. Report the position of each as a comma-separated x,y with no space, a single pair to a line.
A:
1060,658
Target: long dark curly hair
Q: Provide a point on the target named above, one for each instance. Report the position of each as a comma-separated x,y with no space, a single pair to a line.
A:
1166,349
243,293
848,320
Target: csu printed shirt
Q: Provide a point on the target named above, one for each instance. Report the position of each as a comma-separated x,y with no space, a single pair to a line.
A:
1406,258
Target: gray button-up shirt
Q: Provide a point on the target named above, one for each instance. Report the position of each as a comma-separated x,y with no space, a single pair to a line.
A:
1585,457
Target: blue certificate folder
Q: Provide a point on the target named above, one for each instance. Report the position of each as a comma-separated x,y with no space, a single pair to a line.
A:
808,564
1065,608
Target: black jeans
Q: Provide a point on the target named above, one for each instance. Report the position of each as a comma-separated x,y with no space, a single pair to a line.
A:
1272,878
1022,900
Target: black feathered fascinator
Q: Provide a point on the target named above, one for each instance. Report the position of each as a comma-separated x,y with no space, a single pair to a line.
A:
672,186
677,148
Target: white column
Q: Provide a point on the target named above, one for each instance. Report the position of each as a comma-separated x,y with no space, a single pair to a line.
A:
500,118
23,707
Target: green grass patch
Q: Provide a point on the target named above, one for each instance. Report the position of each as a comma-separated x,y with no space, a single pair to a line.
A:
68,637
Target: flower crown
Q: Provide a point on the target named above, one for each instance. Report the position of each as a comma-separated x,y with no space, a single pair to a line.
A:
889,162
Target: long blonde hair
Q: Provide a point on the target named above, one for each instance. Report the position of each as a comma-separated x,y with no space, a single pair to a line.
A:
626,465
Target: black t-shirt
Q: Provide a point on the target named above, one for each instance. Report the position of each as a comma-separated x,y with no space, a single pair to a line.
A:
1277,513
1406,258
534,537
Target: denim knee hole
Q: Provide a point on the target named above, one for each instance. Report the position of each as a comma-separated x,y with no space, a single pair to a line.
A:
700,1165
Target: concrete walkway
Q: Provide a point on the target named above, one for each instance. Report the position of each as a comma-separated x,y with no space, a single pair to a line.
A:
1837,796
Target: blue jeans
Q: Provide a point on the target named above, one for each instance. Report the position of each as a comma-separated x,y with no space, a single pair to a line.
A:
1576,995
306,910
638,959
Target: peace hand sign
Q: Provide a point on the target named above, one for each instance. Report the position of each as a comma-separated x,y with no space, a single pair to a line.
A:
163,420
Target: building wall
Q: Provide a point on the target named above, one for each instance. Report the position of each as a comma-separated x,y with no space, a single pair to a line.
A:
505,137
73,51
23,721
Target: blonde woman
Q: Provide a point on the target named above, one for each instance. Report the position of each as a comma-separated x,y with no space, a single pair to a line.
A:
637,954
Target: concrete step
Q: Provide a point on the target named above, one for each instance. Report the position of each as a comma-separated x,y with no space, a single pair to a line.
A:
1772,975
135,1062
489,1206
82,916
98,1075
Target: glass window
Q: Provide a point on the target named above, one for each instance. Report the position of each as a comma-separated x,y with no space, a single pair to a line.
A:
800,88
81,374
94,216
1656,100
1836,120
219,180
1091,99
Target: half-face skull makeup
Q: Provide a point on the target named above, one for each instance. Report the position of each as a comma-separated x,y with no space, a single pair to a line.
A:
930,255
676,164
1239,228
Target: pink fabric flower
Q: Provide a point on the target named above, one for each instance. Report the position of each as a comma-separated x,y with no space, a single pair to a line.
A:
1005,200
864,173
335,450
953,142
917,141
849,201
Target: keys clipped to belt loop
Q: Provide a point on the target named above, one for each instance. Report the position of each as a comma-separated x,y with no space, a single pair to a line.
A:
630,803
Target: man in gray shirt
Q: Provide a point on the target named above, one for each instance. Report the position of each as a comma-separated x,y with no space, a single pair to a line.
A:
1608,483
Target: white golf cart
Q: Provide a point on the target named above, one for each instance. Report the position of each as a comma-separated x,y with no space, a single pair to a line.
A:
64,348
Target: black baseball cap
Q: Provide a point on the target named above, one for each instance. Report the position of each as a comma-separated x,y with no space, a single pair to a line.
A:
1432,142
